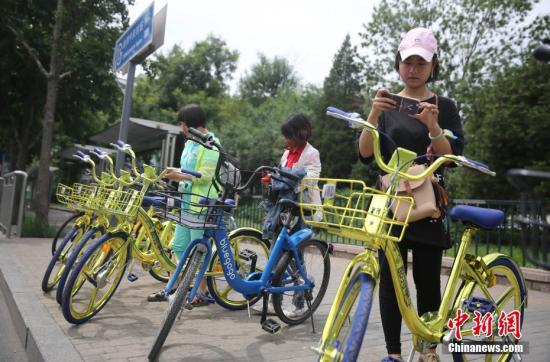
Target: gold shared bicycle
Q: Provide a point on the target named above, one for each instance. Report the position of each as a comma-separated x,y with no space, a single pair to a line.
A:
491,285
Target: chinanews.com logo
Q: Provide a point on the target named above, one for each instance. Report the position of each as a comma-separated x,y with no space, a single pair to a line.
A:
502,335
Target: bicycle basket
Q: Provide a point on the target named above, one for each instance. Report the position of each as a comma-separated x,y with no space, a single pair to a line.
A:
230,174
351,209
195,211
78,196
120,202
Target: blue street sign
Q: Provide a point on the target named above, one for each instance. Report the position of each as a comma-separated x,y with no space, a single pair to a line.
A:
138,36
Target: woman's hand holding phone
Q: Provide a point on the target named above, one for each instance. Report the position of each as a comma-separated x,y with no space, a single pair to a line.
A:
428,115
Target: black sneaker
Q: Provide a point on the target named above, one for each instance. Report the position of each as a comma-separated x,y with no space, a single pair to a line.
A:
158,297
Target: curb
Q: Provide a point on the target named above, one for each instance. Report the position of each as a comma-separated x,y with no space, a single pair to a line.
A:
535,279
40,335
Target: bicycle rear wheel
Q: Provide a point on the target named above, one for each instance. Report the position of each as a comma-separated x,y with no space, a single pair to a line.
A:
176,303
95,278
510,295
246,241
291,306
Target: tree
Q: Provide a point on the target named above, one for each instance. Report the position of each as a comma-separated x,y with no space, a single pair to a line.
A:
267,79
181,77
67,33
342,88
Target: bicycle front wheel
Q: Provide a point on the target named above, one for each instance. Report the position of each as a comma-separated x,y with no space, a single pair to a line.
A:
175,303
508,296
55,268
64,230
95,278
350,322
248,247
292,306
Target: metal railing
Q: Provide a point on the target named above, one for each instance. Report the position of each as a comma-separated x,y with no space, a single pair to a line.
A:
12,202
505,239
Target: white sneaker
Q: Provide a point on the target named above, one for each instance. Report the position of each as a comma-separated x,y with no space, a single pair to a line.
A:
258,307
295,312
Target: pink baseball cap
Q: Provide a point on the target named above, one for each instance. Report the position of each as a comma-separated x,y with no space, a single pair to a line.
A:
418,41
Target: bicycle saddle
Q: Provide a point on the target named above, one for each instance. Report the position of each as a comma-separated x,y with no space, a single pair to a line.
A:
482,217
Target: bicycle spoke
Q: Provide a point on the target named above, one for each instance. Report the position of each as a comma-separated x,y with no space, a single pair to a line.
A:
504,298
90,307
226,291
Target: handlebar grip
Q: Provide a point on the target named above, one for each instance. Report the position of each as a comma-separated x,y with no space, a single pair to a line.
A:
192,173
204,137
335,110
120,143
477,163
99,152
542,53
289,175
80,154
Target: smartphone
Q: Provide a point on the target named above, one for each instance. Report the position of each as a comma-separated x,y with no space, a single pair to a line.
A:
405,104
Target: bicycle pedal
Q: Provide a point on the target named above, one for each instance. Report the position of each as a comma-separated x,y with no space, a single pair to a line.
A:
247,255
481,305
132,277
271,326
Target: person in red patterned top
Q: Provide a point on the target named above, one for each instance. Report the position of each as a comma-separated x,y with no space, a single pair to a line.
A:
299,153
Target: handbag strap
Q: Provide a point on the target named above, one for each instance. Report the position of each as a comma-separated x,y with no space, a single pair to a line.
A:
429,150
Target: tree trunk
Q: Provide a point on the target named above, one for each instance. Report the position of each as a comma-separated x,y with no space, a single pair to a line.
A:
43,186
43,182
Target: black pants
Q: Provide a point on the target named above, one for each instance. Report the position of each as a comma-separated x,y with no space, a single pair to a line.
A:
426,274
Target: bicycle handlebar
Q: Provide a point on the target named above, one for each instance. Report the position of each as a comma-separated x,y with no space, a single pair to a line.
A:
354,120
127,149
542,52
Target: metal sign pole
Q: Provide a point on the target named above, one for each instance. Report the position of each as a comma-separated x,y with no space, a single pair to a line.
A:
126,108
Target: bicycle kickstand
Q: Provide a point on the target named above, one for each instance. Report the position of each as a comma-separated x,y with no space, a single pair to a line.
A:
308,301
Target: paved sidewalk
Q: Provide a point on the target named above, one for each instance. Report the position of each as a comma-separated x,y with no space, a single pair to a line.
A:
125,328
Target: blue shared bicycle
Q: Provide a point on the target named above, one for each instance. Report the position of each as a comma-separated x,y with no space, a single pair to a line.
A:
296,273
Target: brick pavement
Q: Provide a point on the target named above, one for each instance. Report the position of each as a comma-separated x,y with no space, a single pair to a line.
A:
125,328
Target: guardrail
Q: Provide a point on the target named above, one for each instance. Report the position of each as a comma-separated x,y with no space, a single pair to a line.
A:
12,202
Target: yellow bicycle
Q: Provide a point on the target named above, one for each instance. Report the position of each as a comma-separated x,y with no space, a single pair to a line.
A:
353,210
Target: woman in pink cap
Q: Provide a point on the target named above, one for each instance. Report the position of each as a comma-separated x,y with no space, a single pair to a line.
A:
436,129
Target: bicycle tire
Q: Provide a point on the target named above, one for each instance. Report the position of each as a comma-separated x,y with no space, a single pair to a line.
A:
222,295
76,251
283,266
176,305
62,227
507,268
67,305
60,257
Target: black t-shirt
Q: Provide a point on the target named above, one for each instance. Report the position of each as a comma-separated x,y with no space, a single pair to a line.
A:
410,133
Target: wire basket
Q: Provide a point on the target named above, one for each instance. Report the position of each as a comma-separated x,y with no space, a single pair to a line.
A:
351,209
78,196
192,210
119,202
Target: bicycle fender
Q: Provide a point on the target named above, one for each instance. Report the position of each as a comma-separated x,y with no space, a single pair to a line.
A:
299,236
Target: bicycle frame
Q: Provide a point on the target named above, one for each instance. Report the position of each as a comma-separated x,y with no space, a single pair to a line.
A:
284,242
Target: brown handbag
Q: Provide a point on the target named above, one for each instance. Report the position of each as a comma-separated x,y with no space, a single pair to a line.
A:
423,193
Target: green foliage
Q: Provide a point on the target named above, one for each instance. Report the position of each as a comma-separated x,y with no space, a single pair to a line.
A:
509,127
181,77
88,97
267,79
253,134
342,88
